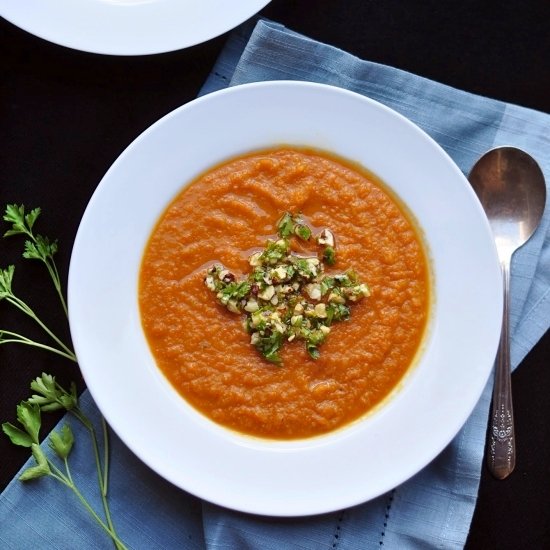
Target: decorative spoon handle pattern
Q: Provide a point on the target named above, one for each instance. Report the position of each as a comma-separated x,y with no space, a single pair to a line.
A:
502,446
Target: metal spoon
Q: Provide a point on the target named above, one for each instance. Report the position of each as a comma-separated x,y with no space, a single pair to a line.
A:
510,185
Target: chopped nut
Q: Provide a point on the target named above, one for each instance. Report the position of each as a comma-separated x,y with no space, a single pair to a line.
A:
279,272
314,291
336,298
320,311
296,320
267,293
256,318
275,316
251,306
364,289
325,238
232,306
309,311
255,260
209,282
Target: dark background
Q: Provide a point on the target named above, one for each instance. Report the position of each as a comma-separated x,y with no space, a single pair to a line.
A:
66,115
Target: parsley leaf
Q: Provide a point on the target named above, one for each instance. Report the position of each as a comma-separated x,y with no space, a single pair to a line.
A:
6,277
16,435
51,396
28,415
42,249
62,442
42,467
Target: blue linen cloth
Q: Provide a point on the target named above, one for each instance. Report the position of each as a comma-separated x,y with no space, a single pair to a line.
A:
431,510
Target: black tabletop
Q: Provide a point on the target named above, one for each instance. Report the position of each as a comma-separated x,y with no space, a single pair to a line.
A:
66,115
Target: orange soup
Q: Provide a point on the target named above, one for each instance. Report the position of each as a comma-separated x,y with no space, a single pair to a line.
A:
226,215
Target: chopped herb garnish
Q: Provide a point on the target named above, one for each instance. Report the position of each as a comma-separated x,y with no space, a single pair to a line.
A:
303,232
293,225
288,297
274,251
329,255
312,350
269,346
235,291
285,226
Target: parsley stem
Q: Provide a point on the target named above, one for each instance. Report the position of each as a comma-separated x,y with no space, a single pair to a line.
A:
67,469
102,472
19,339
54,274
20,304
49,262
68,481
105,456
56,473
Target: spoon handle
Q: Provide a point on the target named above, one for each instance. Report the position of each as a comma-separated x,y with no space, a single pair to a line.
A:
502,445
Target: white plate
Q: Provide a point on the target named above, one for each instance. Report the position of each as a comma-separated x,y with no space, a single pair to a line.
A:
269,477
128,27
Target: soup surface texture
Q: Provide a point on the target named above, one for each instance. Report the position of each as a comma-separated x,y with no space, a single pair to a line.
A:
226,215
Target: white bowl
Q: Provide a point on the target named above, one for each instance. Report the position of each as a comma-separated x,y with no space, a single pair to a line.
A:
128,27
351,465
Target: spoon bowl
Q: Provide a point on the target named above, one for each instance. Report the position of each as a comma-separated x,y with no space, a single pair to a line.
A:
511,188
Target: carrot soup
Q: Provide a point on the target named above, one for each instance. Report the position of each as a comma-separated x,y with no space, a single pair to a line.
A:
285,293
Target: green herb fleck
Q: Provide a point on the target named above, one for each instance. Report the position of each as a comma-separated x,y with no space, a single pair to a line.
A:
269,346
285,226
329,255
302,231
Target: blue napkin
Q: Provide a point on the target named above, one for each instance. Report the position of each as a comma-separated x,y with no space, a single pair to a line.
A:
434,508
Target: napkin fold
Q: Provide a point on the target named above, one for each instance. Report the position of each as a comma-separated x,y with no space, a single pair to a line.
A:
432,509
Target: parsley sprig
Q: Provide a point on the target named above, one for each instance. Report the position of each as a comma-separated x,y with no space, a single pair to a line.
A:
48,394
51,396
37,247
